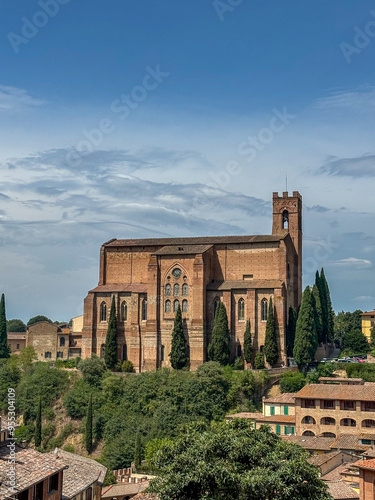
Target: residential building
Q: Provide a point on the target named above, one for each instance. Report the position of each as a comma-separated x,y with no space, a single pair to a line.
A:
16,341
150,278
366,479
368,322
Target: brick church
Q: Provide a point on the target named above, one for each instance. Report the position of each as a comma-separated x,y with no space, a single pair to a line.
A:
150,277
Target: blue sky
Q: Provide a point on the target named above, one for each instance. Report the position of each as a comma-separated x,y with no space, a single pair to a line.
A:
123,119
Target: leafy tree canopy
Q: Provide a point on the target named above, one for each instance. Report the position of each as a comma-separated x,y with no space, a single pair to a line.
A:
232,460
92,370
16,325
292,381
356,342
37,319
346,322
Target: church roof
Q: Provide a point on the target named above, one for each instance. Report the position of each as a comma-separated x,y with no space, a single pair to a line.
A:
199,240
182,249
245,284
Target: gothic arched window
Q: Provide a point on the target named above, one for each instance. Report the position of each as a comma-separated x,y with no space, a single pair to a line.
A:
62,341
264,309
176,290
144,309
103,311
176,305
285,219
168,306
124,311
241,310
168,290
185,289
184,306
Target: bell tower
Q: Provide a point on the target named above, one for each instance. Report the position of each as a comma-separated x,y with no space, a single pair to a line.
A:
287,218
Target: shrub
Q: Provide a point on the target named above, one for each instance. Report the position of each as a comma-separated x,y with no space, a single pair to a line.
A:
259,361
69,448
238,364
127,367
92,370
292,382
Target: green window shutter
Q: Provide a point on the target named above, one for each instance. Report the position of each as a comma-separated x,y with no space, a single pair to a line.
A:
292,430
272,410
285,430
278,429
255,425
286,409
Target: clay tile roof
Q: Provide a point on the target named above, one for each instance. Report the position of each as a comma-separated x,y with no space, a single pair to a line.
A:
341,379
335,474
81,472
287,419
365,464
31,467
365,392
370,452
123,489
368,313
311,442
348,442
199,240
145,496
16,335
135,287
319,460
245,284
341,491
287,397
182,249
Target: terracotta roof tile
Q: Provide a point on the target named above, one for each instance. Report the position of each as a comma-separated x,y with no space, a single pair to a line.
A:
287,397
341,379
80,474
31,467
311,442
348,442
123,489
287,419
250,415
319,460
365,392
341,491
365,464
198,240
370,452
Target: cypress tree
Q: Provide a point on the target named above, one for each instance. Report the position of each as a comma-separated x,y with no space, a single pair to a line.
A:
323,303
178,348
318,313
330,315
88,430
138,451
219,348
372,337
4,348
291,330
306,340
110,350
38,425
271,350
247,343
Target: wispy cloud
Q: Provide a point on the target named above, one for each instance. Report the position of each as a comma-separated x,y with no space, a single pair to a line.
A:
361,99
352,262
14,100
362,166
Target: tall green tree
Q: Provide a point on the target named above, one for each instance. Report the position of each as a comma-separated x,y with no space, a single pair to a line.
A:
318,313
138,451
4,348
38,424
219,462
178,348
346,322
219,347
247,343
306,341
88,429
271,350
16,325
291,330
110,349
323,303
329,309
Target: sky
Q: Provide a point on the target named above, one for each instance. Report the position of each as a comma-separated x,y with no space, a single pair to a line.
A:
145,118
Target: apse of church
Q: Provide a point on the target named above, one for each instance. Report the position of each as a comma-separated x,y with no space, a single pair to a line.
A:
149,278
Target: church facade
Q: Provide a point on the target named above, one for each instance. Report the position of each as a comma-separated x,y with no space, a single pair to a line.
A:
149,278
